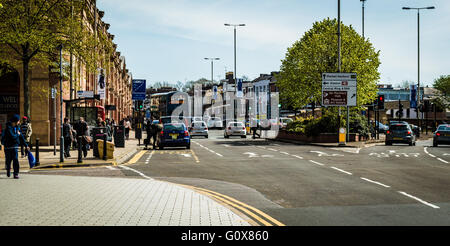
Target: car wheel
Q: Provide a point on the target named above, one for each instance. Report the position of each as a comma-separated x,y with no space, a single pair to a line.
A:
411,143
188,146
244,136
226,136
435,144
206,136
161,147
388,143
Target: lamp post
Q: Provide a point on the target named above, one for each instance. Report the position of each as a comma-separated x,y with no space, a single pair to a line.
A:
212,66
363,1
234,74
61,139
418,52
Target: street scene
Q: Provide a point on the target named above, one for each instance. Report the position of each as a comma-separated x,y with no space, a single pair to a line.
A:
339,128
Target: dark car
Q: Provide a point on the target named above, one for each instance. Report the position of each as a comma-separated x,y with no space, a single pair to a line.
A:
442,135
400,133
174,135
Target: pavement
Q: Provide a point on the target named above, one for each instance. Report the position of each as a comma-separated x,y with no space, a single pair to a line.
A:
61,200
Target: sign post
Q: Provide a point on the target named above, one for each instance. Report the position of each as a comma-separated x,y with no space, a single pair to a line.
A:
138,92
340,89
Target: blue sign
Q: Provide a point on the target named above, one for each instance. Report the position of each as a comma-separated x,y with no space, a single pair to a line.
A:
239,88
412,98
138,92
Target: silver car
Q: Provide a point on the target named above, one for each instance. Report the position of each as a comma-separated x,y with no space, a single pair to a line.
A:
198,128
235,129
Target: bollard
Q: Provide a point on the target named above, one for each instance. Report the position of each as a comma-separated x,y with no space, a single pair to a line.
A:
37,153
79,150
104,147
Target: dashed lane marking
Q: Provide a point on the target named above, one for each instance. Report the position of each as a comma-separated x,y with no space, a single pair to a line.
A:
375,182
418,199
340,170
317,163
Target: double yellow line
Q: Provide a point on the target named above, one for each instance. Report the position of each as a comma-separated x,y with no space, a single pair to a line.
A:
257,215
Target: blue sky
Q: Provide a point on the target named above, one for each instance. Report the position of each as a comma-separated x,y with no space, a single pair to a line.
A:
165,40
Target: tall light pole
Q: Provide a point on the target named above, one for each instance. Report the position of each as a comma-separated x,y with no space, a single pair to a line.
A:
418,52
363,1
61,141
234,74
212,66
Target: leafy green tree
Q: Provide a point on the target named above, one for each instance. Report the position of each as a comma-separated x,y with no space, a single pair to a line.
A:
33,29
299,80
443,85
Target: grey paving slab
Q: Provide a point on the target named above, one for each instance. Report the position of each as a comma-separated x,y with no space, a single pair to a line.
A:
44,200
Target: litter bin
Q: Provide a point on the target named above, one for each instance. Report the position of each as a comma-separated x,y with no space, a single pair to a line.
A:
119,136
97,133
109,149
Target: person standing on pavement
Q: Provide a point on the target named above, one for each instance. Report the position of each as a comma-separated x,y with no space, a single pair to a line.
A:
12,139
154,131
148,129
82,130
26,131
68,136
127,124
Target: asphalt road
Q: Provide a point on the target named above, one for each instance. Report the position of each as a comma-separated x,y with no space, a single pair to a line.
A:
310,185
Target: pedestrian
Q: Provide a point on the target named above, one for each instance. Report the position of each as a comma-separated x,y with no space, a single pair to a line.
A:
254,127
82,131
68,136
148,129
26,130
127,124
12,139
154,131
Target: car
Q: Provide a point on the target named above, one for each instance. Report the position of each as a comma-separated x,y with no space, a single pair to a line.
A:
174,135
400,133
215,122
235,129
198,128
441,135
381,127
197,118
284,121
416,130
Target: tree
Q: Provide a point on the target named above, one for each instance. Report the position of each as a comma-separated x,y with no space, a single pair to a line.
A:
299,80
33,29
443,85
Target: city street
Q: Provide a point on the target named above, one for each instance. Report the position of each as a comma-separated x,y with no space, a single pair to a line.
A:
303,184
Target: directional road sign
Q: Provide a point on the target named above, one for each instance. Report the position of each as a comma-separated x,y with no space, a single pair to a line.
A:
339,89
138,92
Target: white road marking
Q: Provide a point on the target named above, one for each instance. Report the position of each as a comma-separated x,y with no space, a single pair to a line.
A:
315,162
272,149
320,153
444,161
299,157
251,154
136,171
375,182
446,154
348,150
286,153
418,199
111,168
212,151
267,156
426,151
340,170
186,155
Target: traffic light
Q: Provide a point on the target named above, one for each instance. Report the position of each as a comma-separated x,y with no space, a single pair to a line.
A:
427,106
400,109
380,101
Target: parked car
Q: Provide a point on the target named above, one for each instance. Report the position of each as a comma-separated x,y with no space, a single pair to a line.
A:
215,122
235,129
198,128
400,133
174,135
284,121
441,135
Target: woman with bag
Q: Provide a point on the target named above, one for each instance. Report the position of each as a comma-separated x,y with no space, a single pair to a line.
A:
12,139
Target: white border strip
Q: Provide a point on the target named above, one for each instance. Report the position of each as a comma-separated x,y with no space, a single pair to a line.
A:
136,171
418,199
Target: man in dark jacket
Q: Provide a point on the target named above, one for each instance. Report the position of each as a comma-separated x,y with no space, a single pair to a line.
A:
12,139
82,130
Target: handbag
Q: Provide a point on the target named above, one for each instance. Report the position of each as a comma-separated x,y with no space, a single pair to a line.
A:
88,139
31,159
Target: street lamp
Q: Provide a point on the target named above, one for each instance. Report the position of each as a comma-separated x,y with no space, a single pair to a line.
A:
234,75
212,66
418,50
363,1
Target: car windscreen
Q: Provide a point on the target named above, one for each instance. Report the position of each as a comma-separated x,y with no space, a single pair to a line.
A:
173,127
399,128
236,124
444,128
198,124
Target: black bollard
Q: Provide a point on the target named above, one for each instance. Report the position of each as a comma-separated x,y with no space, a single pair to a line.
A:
37,153
79,150
104,147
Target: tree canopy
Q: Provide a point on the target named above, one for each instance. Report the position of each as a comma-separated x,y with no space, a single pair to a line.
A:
443,85
316,52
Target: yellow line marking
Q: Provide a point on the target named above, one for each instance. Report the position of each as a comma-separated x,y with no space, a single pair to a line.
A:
237,204
137,157
195,156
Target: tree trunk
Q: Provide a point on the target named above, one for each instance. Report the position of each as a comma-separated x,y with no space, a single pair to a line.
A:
26,91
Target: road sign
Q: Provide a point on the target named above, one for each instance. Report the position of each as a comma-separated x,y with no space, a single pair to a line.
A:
85,94
138,92
412,96
339,89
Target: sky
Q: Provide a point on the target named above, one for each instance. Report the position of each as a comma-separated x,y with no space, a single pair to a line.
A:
167,40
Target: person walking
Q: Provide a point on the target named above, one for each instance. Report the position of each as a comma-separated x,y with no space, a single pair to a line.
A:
12,138
26,131
82,130
68,136
154,132
148,130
